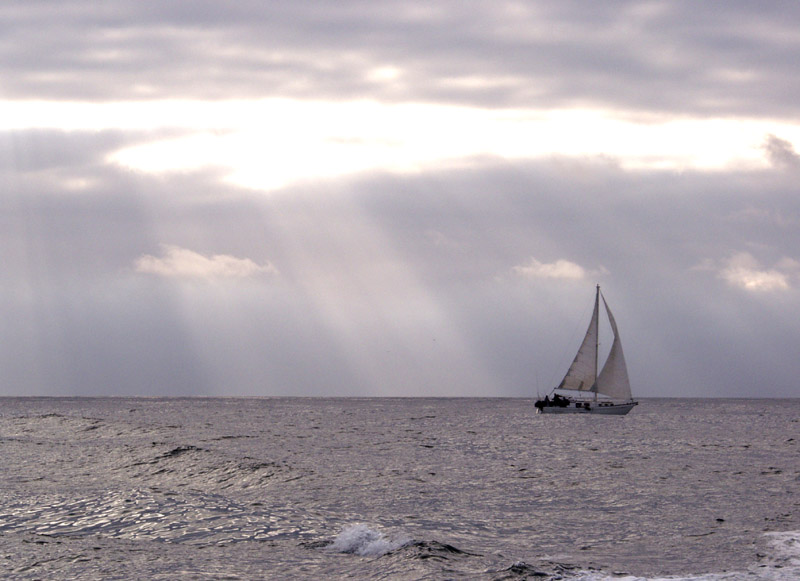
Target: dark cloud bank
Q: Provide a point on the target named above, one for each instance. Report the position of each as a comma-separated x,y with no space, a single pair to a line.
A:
675,57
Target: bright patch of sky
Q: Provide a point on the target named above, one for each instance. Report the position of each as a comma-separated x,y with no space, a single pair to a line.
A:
268,144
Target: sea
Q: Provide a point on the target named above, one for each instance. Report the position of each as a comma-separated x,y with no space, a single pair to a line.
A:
407,488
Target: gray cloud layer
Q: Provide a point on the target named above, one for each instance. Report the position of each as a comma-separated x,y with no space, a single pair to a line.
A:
655,58
79,318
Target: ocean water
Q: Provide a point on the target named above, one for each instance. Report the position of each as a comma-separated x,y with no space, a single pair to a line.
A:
295,488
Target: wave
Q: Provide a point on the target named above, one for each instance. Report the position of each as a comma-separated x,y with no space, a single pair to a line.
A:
361,540
785,549
171,466
780,563
436,551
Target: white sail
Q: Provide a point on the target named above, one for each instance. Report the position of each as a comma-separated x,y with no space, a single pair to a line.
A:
612,382
582,374
613,379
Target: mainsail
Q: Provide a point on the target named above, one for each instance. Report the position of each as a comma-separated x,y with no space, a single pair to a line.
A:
613,379
582,374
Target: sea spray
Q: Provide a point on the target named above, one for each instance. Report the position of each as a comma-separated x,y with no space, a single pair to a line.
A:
361,540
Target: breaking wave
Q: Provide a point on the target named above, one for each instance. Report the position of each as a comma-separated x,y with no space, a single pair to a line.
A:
361,540
785,550
781,563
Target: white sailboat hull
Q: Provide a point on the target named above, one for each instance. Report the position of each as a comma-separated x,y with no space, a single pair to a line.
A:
607,409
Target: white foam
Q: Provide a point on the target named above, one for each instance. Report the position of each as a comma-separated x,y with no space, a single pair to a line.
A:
782,563
784,549
361,540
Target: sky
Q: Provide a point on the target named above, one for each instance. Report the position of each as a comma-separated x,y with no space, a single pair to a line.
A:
397,198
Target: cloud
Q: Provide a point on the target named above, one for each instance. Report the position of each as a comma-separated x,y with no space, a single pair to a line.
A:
382,270
744,271
508,54
781,153
563,269
179,262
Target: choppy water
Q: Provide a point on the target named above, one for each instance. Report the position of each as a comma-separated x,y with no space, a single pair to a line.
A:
397,489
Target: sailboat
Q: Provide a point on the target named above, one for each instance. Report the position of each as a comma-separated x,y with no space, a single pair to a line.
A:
587,391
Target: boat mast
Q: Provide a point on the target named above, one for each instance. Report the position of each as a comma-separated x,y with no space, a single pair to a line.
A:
596,337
